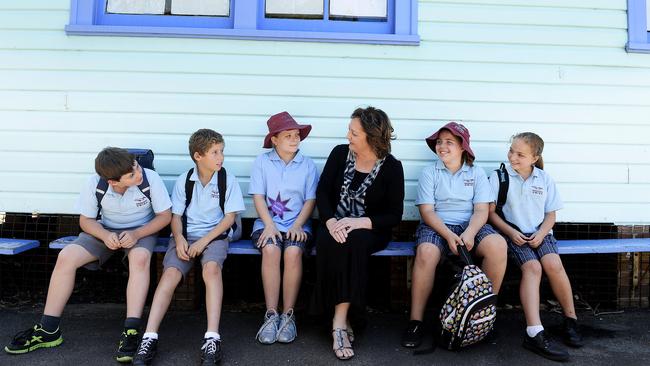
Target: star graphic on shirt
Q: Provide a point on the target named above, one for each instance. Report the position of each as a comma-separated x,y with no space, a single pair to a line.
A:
278,206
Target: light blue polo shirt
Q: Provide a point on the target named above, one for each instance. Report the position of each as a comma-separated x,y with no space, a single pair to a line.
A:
204,212
285,186
128,210
528,200
453,195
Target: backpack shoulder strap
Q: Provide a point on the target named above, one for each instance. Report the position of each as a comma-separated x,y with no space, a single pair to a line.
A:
100,192
144,187
221,183
504,184
189,189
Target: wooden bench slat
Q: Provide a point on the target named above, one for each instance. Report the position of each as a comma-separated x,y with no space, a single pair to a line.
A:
15,246
400,249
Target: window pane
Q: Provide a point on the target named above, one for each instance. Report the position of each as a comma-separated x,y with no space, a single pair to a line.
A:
201,7
295,8
358,8
136,6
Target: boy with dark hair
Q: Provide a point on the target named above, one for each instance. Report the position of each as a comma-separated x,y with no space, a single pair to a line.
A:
204,210
130,221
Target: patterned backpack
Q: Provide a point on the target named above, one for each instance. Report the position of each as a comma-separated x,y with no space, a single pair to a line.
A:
469,312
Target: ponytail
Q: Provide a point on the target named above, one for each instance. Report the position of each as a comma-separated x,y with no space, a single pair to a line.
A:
536,144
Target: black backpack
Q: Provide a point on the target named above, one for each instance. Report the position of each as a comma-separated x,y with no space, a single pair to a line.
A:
189,190
144,157
504,184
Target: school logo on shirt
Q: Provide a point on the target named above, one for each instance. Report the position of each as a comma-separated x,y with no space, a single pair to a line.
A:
141,201
537,190
214,193
469,182
278,207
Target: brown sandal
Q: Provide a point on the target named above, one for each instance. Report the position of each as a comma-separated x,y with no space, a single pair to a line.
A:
338,335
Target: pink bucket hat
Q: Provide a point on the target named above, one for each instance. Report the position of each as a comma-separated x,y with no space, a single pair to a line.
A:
282,122
456,129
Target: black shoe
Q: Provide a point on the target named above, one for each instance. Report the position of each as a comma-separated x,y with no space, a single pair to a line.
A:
412,336
32,339
544,346
128,345
211,352
571,334
146,352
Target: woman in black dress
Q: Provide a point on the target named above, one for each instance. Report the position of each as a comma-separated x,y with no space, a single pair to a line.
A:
360,198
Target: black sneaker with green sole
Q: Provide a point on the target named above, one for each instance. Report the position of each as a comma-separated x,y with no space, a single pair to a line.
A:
128,345
33,339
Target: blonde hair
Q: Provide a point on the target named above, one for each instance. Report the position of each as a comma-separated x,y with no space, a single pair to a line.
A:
536,144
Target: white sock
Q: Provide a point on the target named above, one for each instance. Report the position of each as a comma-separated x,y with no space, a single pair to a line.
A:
214,335
152,335
532,331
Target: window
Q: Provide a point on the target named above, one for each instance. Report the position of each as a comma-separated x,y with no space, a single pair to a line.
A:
356,21
638,26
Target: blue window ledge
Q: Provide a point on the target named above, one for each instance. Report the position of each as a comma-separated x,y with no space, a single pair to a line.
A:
246,21
637,27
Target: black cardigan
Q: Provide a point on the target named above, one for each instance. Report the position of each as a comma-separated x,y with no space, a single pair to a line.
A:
384,202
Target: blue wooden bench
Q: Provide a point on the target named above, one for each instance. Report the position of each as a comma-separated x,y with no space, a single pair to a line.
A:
15,246
402,248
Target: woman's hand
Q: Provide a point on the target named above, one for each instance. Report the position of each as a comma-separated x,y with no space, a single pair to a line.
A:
340,235
352,223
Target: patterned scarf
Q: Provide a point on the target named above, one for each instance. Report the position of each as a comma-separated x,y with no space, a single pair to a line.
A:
351,203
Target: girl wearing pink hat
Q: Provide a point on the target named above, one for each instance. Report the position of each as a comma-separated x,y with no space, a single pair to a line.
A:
453,200
283,186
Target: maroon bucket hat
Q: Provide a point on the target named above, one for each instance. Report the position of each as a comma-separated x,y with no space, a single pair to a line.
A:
456,129
283,122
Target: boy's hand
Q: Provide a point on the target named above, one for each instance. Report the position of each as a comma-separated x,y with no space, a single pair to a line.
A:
519,238
197,248
270,232
296,234
340,235
182,248
536,239
112,241
128,239
468,240
453,241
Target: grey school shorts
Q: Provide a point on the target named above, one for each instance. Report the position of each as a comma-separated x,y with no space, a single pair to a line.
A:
524,253
216,251
98,249
282,244
426,234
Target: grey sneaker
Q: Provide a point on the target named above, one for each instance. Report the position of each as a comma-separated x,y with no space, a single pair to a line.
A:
268,332
287,332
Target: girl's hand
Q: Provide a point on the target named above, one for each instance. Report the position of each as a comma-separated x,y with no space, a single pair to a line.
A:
468,240
536,239
339,235
453,241
296,234
519,238
181,248
270,232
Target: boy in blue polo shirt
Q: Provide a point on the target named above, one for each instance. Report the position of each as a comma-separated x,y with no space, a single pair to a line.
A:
283,185
200,229
453,200
130,222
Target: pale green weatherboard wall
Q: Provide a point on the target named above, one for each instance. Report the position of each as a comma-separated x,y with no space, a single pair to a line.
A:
556,67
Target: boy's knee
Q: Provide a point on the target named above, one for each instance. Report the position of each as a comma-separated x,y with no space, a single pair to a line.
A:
427,254
139,259
553,265
532,268
211,270
495,247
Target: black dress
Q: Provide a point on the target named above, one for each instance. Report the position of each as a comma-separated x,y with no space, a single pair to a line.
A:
342,269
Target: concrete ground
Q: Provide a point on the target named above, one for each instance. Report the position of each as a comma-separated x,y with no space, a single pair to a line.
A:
91,333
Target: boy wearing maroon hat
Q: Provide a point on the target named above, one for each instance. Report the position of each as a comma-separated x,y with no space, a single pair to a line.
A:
283,185
453,200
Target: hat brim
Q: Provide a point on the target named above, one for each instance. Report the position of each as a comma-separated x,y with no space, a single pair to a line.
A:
304,131
431,141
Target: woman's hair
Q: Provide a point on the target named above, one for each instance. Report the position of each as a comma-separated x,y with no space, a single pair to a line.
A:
377,127
536,145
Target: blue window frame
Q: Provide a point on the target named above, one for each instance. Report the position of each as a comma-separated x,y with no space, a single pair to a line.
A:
247,20
637,27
